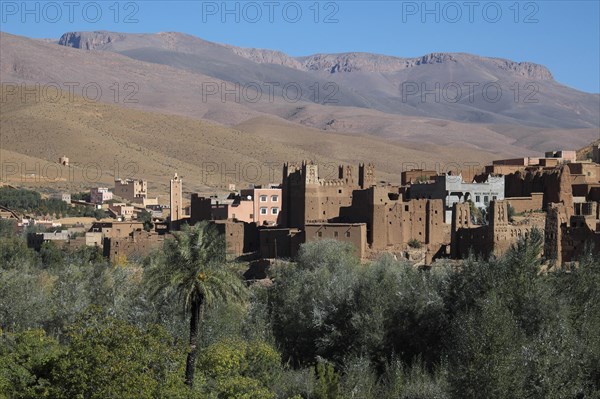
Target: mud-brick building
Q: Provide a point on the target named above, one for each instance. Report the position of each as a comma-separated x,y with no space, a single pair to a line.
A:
135,245
280,242
494,238
452,190
131,190
392,222
240,237
309,198
555,183
353,233
570,232
315,204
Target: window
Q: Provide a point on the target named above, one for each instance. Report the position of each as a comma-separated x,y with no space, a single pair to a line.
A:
495,197
263,198
320,234
477,198
335,234
486,199
274,211
347,234
263,211
274,198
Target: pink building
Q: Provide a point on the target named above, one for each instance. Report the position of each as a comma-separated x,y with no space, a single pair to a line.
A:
254,205
266,204
242,210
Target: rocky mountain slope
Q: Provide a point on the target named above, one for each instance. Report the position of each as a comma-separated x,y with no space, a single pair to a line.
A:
461,87
169,73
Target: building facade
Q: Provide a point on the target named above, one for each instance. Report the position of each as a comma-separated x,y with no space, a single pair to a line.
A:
453,190
131,190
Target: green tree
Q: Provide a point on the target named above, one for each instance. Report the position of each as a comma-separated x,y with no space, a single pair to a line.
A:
328,382
235,368
26,363
485,357
145,217
7,227
110,358
192,266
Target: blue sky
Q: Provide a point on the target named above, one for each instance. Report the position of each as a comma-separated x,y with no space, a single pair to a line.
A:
562,35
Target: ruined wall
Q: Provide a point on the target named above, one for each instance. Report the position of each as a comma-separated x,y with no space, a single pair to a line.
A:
554,183
501,235
466,237
569,234
495,238
556,218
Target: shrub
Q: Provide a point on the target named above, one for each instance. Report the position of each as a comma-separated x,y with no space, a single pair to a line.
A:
414,243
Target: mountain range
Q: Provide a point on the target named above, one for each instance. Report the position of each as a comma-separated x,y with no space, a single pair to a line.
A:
445,102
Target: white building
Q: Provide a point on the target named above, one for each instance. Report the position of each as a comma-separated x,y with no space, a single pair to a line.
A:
452,189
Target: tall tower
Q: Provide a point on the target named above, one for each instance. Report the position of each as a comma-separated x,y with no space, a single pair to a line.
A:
461,219
366,175
565,193
176,202
311,173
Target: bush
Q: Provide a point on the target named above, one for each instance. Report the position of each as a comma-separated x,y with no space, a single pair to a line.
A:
414,243
73,325
235,368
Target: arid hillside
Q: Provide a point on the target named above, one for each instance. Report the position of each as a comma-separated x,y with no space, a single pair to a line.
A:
105,141
173,73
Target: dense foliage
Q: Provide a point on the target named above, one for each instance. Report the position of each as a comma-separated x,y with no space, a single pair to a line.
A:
28,201
75,326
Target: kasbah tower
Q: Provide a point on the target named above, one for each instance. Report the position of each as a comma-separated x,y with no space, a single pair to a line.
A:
176,202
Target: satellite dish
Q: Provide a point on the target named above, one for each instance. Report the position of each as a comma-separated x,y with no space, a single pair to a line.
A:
249,197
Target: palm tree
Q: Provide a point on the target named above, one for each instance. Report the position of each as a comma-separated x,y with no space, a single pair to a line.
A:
193,266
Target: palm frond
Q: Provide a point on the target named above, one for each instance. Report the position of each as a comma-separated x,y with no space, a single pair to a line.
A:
192,265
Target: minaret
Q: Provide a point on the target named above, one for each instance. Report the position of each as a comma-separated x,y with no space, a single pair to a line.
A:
176,202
